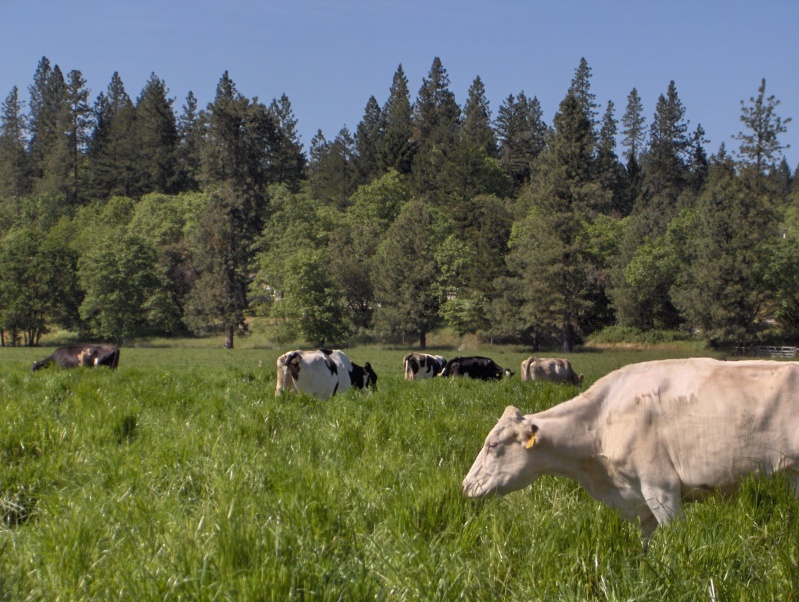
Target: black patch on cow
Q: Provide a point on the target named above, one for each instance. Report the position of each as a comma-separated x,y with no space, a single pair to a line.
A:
363,376
483,368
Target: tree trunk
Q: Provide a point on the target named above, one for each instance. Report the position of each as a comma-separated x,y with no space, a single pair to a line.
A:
229,336
422,340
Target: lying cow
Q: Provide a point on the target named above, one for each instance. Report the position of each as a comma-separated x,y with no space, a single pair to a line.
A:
483,368
556,370
322,373
76,356
650,436
421,365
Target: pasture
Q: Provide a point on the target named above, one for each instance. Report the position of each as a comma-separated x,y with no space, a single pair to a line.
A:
181,476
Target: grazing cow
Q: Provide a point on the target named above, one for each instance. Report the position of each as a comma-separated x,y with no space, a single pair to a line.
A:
421,365
74,356
648,437
553,369
321,373
475,367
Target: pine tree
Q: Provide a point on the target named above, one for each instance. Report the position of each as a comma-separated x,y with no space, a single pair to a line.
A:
48,97
550,259
522,136
719,292
436,116
156,164
634,137
760,148
397,149
189,137
609,171
368,140
286,158
15,176
238,134
476,130
407,298
633,123
665,164
80,123
112,150
581,89
332,175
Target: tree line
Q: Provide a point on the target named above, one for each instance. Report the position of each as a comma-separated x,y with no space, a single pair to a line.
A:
124,218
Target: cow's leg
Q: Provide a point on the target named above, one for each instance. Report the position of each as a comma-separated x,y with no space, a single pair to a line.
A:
665,503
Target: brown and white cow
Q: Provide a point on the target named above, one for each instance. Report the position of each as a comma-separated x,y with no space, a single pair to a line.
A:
556,370
321,373
650,436
75,356
419,366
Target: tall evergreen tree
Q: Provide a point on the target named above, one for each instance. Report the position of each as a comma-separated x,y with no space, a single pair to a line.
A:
238,134
720,293
609,171
581,89
398,148
665,163
79,124
634,137
761,149
477,131
369,138
286,157
157,140
189,140
112,150
48,98
332,175
665,176
15,174
550,258
436,131
407,298
522,136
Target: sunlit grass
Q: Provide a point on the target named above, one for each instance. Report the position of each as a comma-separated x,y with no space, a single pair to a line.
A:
181,476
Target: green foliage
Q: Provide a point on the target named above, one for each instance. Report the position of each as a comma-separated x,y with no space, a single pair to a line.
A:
312,306
125,290
627,334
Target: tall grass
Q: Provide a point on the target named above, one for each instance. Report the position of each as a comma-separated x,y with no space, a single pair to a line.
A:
181,476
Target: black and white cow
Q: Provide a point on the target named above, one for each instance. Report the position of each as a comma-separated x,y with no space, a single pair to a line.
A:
75,356
321,373
483,368
421,365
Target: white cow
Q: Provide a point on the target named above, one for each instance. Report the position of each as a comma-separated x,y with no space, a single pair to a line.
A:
321,373
421,365
649,436
556,370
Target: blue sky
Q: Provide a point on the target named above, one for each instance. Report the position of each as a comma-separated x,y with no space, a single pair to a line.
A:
329,57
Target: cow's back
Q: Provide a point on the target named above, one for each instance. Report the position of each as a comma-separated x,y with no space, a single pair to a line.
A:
711,420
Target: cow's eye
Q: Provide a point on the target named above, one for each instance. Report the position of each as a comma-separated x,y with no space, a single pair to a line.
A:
491,445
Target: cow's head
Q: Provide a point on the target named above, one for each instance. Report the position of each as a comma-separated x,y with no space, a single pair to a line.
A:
507,461
371,376
506,372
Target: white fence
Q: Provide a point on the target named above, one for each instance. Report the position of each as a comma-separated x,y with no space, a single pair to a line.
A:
773,351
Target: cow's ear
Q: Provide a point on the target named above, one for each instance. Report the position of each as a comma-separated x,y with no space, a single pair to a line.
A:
531,436
512,412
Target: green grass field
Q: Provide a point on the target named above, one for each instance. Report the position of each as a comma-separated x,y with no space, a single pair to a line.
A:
181,477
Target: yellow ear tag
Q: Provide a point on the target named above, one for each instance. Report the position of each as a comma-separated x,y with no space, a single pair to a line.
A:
530,441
